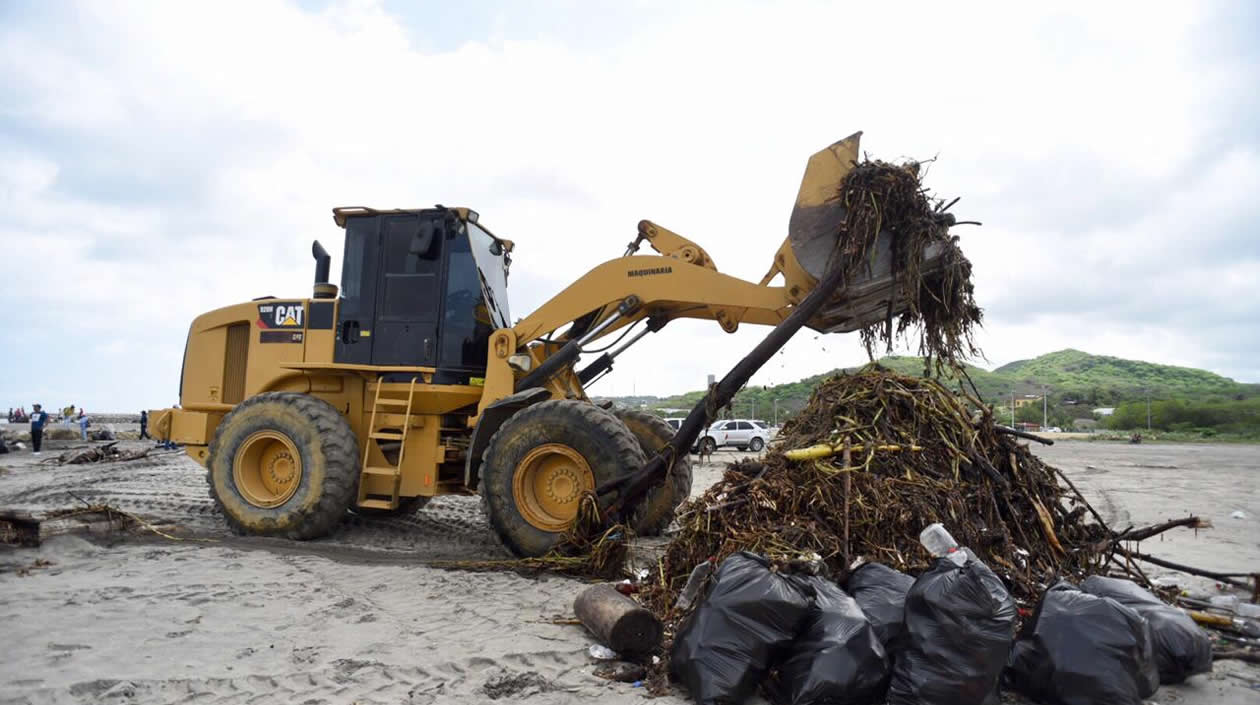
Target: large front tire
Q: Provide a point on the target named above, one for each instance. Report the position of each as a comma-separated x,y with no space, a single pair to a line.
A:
657,510
283,464
538,464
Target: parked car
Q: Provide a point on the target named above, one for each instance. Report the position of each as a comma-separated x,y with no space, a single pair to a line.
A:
742,434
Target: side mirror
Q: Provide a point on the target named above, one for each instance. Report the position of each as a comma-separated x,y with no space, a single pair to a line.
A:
422,241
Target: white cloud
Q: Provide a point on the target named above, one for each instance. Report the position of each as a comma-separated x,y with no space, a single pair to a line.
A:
162,159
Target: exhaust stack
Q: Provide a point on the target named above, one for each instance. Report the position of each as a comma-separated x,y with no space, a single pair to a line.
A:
323,289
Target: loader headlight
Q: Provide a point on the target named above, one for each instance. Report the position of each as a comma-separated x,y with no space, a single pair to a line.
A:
522,363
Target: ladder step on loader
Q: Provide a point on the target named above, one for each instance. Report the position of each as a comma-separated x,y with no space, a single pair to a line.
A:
383,407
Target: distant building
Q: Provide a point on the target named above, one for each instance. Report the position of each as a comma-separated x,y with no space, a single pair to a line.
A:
1028,399
1105,410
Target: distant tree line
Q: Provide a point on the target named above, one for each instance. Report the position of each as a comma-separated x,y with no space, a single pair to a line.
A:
1225,416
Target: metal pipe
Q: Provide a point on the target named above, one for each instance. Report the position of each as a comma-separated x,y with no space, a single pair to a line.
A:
603,363
573,348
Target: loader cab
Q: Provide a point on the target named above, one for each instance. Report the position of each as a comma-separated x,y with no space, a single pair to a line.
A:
420,288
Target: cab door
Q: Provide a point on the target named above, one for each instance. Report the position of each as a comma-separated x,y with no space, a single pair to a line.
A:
409,293
356,315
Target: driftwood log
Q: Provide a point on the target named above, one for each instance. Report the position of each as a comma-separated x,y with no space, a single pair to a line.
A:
617,621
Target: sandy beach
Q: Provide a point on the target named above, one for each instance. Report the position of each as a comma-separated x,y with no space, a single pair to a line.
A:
363,617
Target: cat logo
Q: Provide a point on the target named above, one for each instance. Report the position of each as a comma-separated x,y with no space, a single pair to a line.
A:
281,315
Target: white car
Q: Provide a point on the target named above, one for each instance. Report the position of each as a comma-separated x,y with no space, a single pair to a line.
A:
742,434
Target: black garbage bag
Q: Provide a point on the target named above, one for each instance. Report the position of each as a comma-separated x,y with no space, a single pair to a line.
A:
881,593
1182,648
1081,649
960,621
838,658
743,626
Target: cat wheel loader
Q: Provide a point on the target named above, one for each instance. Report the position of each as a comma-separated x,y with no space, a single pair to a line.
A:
410,380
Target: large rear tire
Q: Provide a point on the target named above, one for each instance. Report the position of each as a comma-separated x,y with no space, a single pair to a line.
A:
283,464
538,464
657,510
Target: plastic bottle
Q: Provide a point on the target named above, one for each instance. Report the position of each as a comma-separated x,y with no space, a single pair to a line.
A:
940,544
600,652
1226,602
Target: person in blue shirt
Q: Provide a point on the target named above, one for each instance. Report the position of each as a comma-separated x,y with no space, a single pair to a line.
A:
83,423
39,417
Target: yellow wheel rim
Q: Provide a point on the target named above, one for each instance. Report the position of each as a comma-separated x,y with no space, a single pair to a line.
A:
267,469
548,485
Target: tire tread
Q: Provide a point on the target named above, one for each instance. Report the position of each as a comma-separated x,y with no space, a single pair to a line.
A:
340,448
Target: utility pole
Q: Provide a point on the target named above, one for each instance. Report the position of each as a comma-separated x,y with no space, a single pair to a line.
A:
776,412
1045,409
1012,408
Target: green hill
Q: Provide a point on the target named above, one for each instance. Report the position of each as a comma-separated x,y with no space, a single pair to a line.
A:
1077,382
1073,369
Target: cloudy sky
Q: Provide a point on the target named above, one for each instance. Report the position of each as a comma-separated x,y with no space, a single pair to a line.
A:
162,159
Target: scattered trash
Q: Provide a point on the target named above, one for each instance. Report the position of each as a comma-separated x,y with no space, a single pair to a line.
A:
699,575
838,658
517,686
1082,649
1182,648
881,593
1237,514
97,454
727,646
20,528
960,621
622,672
602,653
23,571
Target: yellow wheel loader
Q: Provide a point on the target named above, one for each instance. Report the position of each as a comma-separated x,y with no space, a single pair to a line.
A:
409,380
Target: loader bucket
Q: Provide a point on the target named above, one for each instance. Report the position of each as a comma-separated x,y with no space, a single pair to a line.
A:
813,231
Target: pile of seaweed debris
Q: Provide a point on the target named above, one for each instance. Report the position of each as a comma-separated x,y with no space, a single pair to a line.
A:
879,196
880,456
